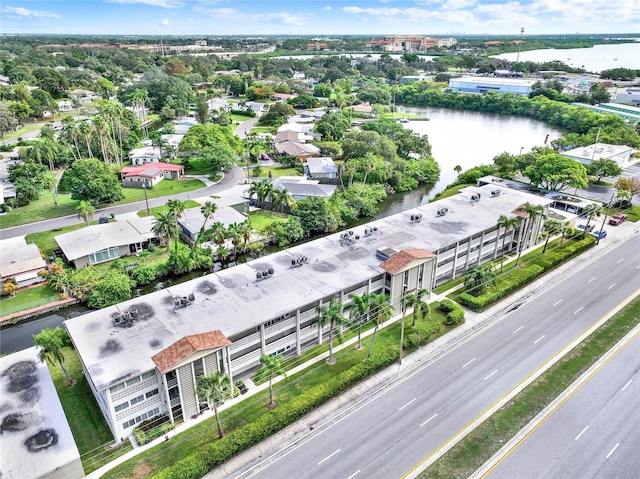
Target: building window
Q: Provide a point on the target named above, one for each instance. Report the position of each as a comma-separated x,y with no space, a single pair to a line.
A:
149,374
122,406
116,388
137,399
151,393
198,368
104,255
133,381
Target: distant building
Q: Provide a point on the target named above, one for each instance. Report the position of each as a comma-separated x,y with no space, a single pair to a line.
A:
297,149
150,174
36,440
300,187
320,168
317,46
200,43
192,220
409,43
147,154
601,151
517,86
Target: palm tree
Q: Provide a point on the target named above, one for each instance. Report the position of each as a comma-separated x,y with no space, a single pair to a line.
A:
268,192
382,310
480,278
246,230
256,189
158,142
330,315
222,252
271,366
359,309
552,227
591,211
280,199
532,213
176,207
165,227
508,224
349,168
86,211
51,342
85,130
420,308
457,169
218,233
564,228
235,235
43,150
624,198
214,389
207,210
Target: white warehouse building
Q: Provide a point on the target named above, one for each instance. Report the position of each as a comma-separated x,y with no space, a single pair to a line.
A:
517,86
142,357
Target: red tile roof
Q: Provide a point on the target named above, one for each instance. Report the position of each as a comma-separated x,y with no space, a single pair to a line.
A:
142,170
404,258
182,349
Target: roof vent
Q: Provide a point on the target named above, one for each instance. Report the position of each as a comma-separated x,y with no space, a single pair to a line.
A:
443,211
475,198
495,193
299,261
260,275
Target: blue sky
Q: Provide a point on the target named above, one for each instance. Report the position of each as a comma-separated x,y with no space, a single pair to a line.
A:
371,17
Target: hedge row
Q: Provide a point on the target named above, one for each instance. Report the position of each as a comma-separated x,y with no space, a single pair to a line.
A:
249,113
145,436
455,313
518,278
198,464
421,336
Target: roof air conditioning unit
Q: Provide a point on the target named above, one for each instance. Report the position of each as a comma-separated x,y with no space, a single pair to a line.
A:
475,198
495,193
443,211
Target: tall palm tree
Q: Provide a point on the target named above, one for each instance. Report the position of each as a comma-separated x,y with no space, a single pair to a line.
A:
165,227
86,211
207,210
222,252
218,233
100,125
590,212
268,192
280,199
43,150
332,316
176,207
235,235
270,366
533,212
381,309
359,309
158,142
480,278
214,389
51,342
85,130
509,224
420,308
247,230
552,227
256,189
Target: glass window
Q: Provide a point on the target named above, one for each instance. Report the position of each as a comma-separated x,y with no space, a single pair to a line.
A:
137,399
116,388
133,381
151,393
148,374
122,406
198,368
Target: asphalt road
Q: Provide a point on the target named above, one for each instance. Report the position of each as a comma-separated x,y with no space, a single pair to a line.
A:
231,178
389,434
594,434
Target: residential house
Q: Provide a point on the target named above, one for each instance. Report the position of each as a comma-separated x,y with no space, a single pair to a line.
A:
291,135
150,174
99,243
320,168
297,149
192,220
317,46
64,106
300,187
20,261
36,440
283,97
146,154
226,320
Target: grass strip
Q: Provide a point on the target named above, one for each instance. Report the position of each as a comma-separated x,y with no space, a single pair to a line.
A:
478,447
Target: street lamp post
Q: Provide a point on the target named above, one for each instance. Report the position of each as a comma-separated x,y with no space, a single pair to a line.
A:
404,310
520,44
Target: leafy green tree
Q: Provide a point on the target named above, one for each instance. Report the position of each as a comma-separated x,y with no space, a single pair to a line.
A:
480,278
106,88
51,81
552,228
632,185
591,211
8,120
94,181
202,109
357,143
598,94
603,167
277,114
214,389
555,172
270,366
322,90
51,342
86,211
330,316
317,214
506,164
114,287
420,308
218,157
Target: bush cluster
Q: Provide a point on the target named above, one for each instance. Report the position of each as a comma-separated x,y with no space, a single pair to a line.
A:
152,428
455,313
249,113
558,256
422,335
201,462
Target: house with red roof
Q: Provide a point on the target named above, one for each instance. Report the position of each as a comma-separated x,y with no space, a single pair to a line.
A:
150,174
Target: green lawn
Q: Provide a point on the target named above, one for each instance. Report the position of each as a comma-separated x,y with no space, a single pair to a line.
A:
240,118
277,171
195,166
157,209
44,209
26,128
475,449
262,129
262,218
88,426
28,298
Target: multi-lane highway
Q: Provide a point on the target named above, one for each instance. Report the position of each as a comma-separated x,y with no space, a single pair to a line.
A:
389,434
594,433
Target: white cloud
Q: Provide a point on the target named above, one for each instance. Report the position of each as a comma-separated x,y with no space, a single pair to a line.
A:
164,21
153,3
327,8
238,16
18,12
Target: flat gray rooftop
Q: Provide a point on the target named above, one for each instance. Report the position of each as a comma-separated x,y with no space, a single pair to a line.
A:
85,241
234,302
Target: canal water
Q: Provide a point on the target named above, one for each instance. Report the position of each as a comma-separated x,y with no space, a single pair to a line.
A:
460,138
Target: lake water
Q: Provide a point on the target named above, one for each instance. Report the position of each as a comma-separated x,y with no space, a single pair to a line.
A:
595,59
460,138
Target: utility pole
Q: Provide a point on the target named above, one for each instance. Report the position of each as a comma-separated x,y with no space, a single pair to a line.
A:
146,200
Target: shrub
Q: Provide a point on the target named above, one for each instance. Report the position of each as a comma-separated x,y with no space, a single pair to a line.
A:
152,429
151,247
454,317
145,274
447,306
249,113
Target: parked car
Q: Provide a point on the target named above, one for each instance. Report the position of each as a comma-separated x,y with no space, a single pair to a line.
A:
584,229
599,234
617,219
